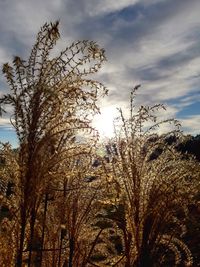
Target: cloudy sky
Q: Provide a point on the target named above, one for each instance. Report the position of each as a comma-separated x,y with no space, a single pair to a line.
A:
155,43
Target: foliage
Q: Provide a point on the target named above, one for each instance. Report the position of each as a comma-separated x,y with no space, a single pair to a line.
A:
155,191
61,203
190,145
53,100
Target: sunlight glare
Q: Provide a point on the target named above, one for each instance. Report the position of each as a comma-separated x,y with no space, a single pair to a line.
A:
104,121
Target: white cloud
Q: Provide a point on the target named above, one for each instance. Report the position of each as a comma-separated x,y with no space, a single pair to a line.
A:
3,56
99,7
191,124
169,37
5,122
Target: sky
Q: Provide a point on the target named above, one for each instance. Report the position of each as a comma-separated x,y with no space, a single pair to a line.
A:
155,43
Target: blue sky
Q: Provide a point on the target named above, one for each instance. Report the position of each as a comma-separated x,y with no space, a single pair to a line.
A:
155,43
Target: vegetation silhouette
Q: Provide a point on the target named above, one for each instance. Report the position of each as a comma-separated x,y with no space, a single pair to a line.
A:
64,205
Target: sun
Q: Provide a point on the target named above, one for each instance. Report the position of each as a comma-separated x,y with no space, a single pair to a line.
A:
104,122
